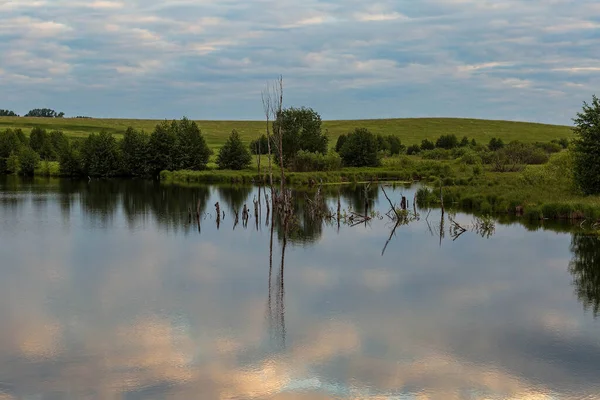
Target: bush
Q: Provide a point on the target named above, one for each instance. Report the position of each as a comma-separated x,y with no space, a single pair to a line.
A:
471,158
427,145
436,154
495,144
586,150
395,145
464,142
233,154
360,149
473,143
447,142
28,160
413,149
307,162
549,147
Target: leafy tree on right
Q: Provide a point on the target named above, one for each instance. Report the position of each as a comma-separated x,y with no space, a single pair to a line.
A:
360,149
586,147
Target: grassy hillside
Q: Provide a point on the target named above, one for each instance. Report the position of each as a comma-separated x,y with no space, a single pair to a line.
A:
410,130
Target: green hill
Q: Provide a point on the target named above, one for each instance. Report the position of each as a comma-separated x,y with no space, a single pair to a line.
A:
410,130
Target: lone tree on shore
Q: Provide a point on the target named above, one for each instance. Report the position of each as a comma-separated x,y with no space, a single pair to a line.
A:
360,149
586,149
233,154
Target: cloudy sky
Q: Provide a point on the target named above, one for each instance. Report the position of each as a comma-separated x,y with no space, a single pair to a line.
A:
534,60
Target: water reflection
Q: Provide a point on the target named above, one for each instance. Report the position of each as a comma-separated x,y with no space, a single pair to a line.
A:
125,300
585,267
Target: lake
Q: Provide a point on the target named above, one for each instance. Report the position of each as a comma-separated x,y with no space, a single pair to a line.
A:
115,290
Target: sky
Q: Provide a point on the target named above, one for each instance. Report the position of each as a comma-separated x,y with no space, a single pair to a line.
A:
528,60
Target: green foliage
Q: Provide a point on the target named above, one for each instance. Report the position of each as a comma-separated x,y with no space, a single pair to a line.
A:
360,149
9,143
40,142
70,162
549,147
28,160
134,150
59,142
191,150
307,162
340,142
427,144
436,154
585,268
44,113
586,148
13,165
473,143
495,144
470,157
7,113
161,149
300,130
234,155
100,155
464,142
413,149
447,142
260,145
395,145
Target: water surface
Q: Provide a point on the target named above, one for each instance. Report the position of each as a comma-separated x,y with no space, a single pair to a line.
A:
109,290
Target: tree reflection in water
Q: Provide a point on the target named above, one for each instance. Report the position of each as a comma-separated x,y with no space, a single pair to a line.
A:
585,268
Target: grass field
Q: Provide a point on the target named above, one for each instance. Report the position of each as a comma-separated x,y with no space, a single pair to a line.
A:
409,130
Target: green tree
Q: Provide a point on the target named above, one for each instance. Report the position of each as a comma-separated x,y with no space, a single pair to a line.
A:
464,142
585,268
28,160
70,161
260,145
447,142
161,149
44,113
395,145
233,154
340,142
301,130
495,144
586,147
58,142
12,163
360,149
413,149
134,148
191,150
9,143
100,155
427,144
7,113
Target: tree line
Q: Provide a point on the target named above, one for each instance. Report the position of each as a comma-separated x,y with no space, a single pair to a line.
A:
36,112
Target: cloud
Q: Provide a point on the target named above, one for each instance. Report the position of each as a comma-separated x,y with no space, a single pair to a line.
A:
344,58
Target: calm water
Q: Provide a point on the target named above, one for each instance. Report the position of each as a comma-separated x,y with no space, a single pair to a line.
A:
108,291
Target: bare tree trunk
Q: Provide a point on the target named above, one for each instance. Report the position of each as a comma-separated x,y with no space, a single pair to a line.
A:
279,105
267,105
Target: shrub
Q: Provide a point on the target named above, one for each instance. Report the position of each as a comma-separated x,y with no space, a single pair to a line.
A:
495,144
427,145
306,161
447,142
413,149
471,158
395,145
473,143
28,160
436,154
233,154
549,147
360,149
464,142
